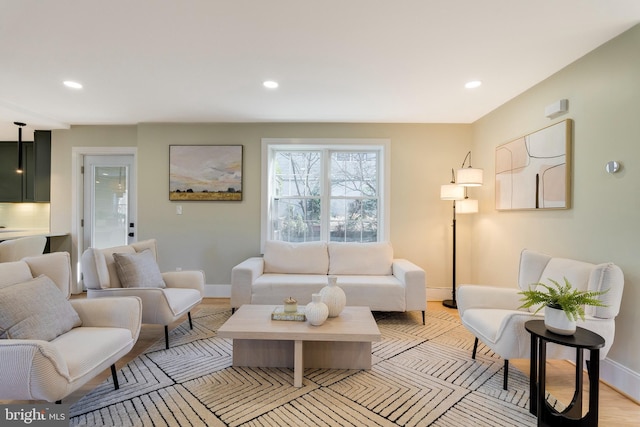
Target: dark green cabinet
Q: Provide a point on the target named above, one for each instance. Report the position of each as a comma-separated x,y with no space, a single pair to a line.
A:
34,184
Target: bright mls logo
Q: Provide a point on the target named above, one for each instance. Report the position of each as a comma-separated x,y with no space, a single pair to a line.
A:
43,415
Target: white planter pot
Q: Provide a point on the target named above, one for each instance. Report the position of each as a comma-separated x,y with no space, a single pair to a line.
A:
316,311
334,297
557,321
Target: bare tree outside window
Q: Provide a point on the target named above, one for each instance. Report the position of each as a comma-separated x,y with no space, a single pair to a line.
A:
348,208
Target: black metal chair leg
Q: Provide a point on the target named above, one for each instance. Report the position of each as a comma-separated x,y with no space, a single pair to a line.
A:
190,321
506,374
475,348
166,336
115,377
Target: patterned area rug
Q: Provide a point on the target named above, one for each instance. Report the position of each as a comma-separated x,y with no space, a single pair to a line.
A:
421,376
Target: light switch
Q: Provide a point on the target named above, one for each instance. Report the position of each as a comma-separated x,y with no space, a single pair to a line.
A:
179,209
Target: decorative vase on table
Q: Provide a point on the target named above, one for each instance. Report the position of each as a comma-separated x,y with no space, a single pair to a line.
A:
333,296
316,311
556,321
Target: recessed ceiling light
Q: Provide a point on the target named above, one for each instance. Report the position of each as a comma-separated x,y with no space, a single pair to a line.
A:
71,84
473,84
270,84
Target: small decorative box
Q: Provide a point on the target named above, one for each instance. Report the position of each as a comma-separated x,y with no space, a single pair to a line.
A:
290,305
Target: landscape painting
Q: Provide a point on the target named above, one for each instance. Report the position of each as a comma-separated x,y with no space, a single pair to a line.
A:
533,172
205,172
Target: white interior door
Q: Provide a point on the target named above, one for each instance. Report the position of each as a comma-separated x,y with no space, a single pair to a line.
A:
109,194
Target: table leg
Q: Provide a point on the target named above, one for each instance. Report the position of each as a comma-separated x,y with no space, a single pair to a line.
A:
298,368
542,372
533,376
594,378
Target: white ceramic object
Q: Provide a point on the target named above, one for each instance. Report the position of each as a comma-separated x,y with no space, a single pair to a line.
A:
334,297
316,311
557,321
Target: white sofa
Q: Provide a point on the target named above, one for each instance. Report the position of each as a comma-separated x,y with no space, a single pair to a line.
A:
53,346
367,272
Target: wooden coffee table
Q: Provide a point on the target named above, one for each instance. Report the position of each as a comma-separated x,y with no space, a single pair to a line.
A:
342,342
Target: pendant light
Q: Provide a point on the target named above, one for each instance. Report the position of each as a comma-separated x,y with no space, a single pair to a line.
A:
20,125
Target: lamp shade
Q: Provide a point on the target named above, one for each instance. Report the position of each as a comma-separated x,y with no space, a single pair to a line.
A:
469,177
451,192
467,206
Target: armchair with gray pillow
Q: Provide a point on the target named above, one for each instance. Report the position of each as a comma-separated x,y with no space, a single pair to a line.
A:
132,270
51,346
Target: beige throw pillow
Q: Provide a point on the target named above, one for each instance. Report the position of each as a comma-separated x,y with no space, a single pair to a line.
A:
35,310
138,270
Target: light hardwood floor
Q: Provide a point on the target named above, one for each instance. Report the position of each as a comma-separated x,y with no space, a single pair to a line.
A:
615,409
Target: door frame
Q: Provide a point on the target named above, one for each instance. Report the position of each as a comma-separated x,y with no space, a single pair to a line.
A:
77,197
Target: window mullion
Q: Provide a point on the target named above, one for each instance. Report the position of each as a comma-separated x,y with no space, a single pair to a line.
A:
325,196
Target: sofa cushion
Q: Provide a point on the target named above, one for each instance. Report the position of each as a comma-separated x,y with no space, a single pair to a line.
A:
361,258
87,348
14,272
296,258
138,270
35,310
384,293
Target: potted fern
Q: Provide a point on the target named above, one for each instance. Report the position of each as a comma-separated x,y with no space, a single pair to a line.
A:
563,304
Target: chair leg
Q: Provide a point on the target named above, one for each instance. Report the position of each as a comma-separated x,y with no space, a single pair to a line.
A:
506,374
475,348
190,321
423,322
115,377
166,336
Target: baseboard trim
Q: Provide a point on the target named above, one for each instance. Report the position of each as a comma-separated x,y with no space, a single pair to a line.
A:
621,378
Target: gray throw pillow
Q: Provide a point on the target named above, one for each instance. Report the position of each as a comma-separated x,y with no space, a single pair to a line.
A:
138,270
35,310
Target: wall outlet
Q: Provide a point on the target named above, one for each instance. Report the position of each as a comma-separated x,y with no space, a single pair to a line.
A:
179,209
178,268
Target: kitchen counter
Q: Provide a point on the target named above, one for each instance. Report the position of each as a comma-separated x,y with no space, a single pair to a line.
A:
15,233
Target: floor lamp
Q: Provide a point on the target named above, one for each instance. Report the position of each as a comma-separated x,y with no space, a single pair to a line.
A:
457,192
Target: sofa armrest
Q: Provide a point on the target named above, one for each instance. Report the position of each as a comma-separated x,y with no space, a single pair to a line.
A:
32,370
243,276
479,296
414,280
116,312
192,279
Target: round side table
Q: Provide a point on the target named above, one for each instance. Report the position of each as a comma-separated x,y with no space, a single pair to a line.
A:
582,339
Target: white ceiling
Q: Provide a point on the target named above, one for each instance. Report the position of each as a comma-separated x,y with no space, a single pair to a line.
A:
336,60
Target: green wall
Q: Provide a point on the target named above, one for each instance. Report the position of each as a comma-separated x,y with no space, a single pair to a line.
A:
603,89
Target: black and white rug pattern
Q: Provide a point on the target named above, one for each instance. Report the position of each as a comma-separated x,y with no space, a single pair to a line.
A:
421,376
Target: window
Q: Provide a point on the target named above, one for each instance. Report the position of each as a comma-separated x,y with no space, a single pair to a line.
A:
325,190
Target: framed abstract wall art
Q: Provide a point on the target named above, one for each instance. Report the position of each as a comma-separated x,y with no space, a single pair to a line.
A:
534,172
205,172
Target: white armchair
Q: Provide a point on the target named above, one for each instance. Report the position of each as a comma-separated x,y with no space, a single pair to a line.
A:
172,295
16,249
492,315
40,365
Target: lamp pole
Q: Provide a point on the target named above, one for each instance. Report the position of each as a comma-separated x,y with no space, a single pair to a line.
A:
451,303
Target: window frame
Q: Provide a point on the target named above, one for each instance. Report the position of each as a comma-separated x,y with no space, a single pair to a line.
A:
381,145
